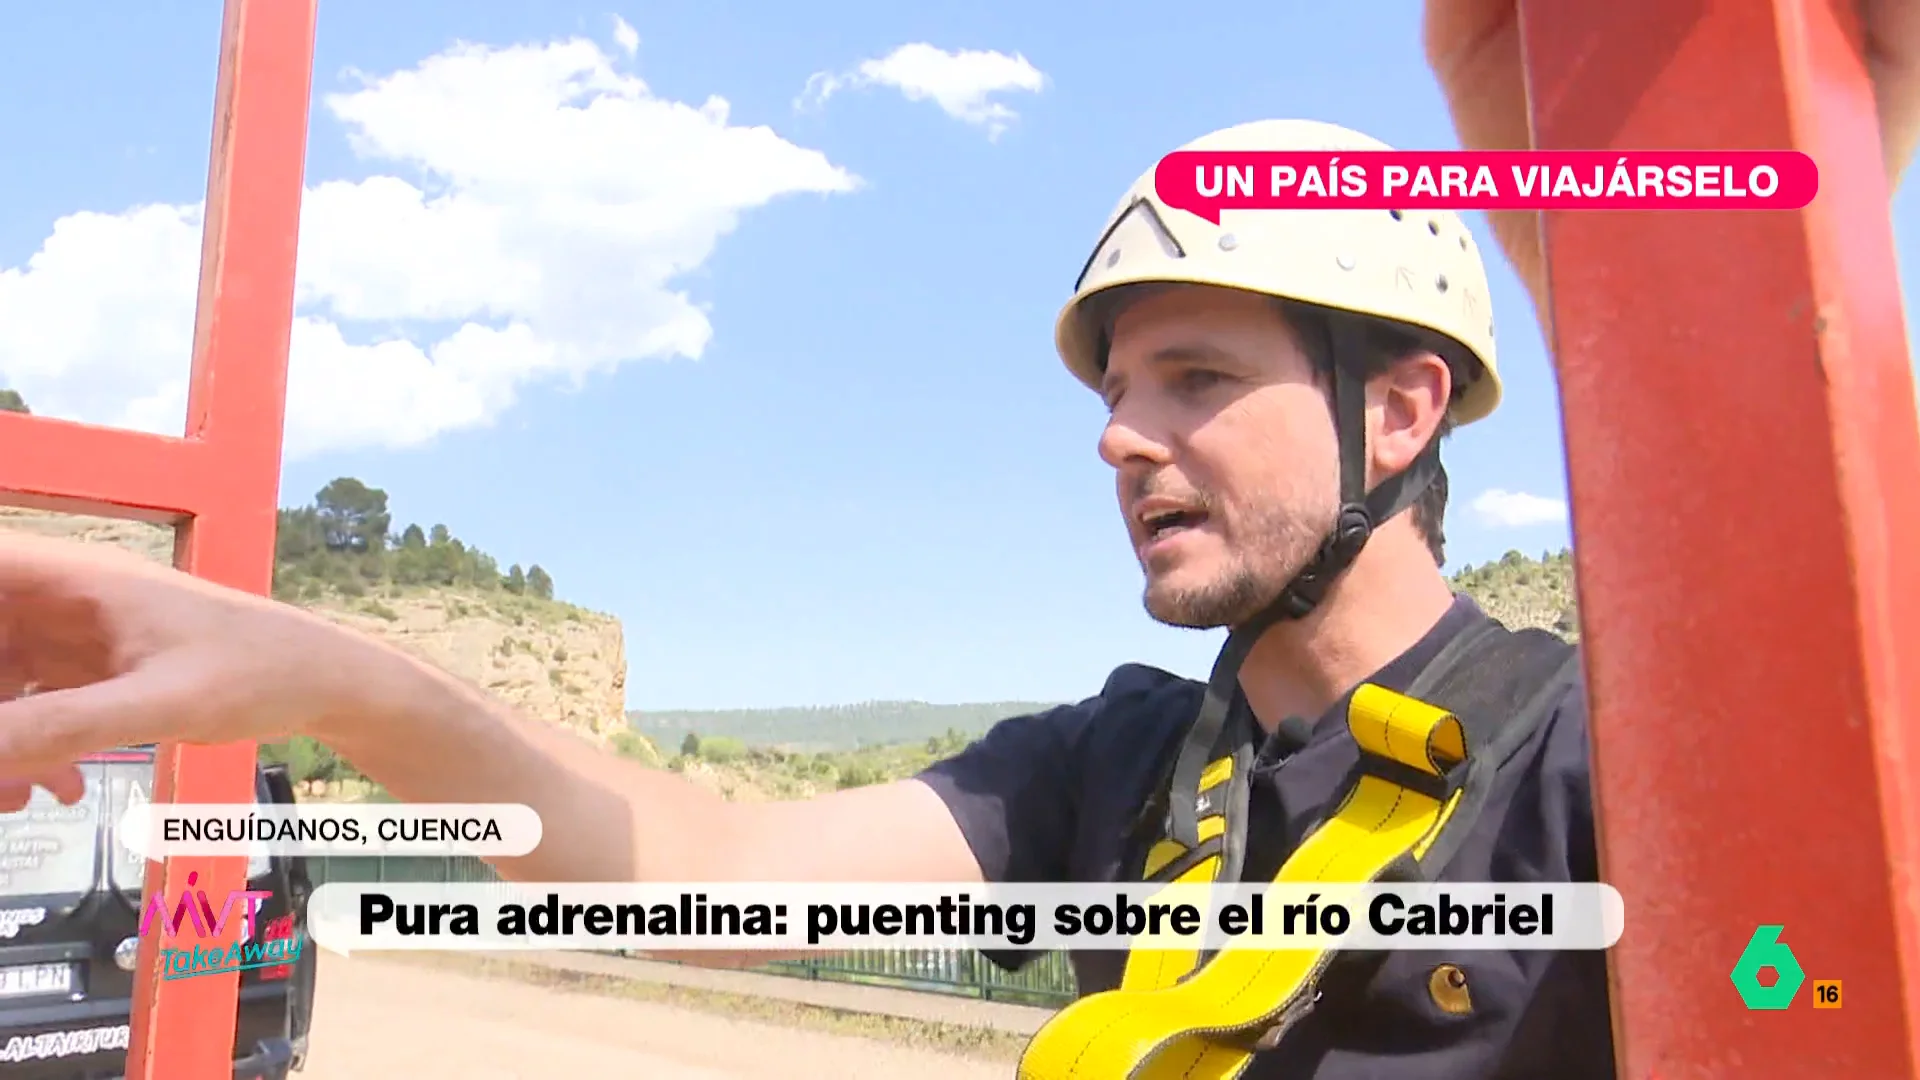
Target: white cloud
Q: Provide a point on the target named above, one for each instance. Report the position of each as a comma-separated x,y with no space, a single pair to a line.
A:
625,36
1512,509
532,215
961,83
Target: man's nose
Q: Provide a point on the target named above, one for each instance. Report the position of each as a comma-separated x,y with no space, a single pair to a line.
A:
1122,441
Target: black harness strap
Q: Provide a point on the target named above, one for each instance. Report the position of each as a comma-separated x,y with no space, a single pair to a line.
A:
1501,685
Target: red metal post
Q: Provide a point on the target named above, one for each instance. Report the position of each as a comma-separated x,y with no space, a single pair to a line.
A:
221,480
1744,466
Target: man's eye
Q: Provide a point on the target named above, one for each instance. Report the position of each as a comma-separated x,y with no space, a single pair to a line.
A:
1198,378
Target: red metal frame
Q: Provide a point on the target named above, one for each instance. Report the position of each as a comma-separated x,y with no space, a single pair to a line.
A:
220,482
1742,449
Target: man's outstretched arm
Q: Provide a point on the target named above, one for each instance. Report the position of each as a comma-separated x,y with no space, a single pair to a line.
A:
434,739
100,649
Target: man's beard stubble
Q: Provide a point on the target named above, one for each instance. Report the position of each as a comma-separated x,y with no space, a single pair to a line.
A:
1266,553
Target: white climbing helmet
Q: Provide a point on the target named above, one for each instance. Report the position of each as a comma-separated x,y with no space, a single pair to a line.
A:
1417,267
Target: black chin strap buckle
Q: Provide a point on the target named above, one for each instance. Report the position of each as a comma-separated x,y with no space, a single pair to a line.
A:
1351,530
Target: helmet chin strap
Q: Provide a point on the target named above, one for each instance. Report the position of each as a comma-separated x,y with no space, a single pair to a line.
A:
1360,513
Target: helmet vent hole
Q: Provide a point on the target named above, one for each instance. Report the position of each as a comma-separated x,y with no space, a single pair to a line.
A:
1228,242
1440,282
1397,215
1463,243
1433,227
1113,257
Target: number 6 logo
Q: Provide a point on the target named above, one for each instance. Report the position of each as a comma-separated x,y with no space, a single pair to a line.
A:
1766,950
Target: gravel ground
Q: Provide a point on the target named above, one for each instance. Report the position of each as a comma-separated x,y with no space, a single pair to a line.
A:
377,1017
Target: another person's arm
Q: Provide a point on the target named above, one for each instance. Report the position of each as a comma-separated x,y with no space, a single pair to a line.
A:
110,651
100,649
996,811
427,737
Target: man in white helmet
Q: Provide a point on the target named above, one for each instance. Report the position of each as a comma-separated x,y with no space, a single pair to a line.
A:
1278,386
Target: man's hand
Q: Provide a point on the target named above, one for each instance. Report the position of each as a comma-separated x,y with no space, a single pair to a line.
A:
100,649
1474,47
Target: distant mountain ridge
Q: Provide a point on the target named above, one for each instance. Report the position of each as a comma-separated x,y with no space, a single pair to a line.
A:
829,727
1518,590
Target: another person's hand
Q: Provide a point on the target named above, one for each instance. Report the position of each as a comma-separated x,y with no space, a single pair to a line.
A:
100,649
1474,47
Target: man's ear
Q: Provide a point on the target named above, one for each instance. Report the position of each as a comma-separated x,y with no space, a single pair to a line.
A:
1405,406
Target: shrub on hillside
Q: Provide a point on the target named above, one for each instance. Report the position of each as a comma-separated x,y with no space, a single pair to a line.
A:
635,746
721,750
342,542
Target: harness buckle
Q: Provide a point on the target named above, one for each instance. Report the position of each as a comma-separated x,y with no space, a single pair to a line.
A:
1285,1022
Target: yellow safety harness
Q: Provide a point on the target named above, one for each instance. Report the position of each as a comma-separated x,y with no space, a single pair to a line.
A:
1427,758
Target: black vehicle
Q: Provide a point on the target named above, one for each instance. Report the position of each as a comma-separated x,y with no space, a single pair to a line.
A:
70,916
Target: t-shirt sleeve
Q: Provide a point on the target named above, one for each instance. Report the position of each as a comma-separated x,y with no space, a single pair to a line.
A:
1018,794
1014,792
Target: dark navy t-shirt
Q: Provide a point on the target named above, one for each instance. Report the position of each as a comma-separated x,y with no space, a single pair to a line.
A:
1054,796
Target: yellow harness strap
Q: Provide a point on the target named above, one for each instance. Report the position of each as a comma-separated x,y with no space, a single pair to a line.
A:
1168,1021
1151,969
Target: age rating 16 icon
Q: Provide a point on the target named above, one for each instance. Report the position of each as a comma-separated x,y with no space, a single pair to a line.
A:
1766,952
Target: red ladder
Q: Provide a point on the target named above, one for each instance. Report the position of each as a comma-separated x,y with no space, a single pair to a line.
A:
219,483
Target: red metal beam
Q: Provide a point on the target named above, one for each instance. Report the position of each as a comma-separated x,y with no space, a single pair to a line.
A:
82,469
1742,446
184,1029
222,478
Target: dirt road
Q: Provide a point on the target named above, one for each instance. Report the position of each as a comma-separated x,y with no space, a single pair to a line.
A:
377,1018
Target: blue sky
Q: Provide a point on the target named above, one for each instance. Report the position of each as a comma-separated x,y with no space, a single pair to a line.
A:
818,448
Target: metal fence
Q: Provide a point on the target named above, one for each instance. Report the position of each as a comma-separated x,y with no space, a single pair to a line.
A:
1047,980
399,868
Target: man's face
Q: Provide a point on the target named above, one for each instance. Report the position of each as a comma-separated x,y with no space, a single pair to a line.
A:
1224,449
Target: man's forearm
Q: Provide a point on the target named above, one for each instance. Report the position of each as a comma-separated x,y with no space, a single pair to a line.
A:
427,737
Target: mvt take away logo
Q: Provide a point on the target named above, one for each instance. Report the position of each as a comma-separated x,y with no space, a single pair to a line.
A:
269,949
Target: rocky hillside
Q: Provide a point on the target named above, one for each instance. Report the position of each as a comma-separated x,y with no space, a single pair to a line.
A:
559,663
1522,592
554,660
